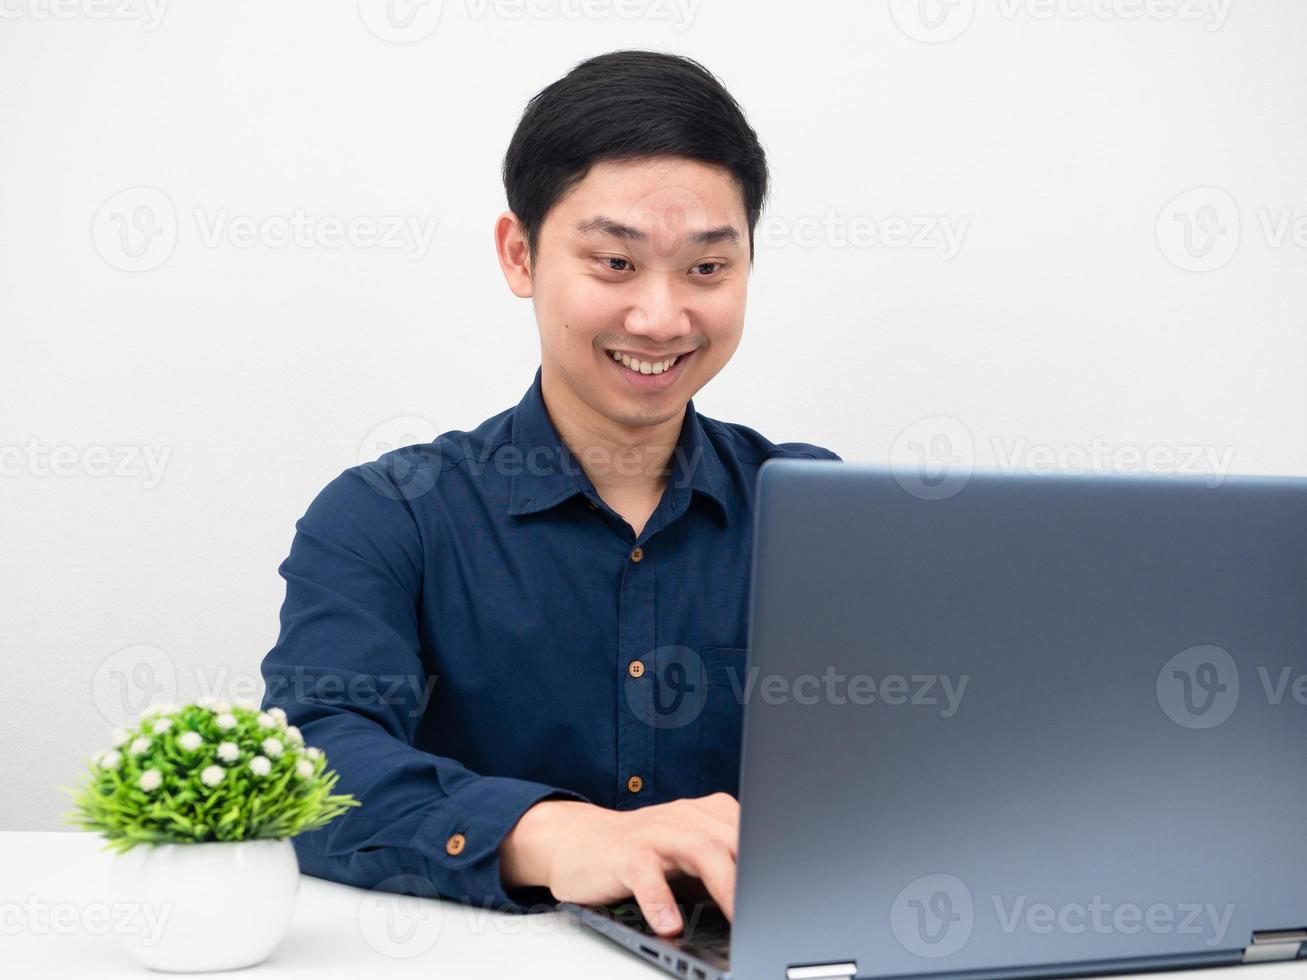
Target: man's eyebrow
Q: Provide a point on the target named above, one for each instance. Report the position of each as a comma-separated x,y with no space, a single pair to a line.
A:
615,229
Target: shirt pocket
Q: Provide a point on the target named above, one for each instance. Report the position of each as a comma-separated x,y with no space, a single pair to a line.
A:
722,720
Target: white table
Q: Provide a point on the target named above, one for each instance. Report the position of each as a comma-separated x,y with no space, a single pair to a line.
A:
55,909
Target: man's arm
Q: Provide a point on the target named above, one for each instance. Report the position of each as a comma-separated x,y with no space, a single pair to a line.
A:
346,668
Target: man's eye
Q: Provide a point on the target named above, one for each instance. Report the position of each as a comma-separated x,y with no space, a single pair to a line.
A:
607,260
707,265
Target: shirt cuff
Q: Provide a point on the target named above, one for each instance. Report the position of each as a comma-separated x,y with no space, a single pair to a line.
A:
461,839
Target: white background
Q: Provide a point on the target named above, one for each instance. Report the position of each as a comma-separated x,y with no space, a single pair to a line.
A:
1072,316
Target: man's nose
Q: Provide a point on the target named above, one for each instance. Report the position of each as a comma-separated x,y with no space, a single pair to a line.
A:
661,311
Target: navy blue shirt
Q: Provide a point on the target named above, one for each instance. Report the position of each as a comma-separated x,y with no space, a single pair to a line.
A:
469,629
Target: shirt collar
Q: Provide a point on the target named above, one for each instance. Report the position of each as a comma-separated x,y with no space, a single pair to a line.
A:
545,473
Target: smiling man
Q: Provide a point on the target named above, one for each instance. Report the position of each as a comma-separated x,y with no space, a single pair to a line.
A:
522,646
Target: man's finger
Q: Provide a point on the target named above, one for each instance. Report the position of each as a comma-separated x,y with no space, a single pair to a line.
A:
648,884
722,821
728,834
712,863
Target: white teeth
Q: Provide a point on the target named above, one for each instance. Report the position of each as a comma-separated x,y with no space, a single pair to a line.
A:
644,367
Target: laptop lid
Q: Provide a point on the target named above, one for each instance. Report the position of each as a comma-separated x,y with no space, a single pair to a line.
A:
1039,725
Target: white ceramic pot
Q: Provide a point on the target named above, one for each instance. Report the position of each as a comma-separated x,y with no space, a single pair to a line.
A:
202,907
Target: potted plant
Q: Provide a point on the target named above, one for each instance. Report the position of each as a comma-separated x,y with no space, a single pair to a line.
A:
199,803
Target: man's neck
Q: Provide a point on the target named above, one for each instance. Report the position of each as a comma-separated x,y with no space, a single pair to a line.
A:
632,462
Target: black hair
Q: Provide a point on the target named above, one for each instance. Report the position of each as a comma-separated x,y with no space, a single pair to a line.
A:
625,105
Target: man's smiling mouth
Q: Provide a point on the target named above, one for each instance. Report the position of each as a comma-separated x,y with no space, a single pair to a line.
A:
645,364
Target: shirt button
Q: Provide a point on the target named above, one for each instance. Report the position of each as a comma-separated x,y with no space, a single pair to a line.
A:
635,784
635,668
637,554
455,844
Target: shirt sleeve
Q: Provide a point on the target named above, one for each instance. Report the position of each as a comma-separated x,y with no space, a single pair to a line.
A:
347,669
810,450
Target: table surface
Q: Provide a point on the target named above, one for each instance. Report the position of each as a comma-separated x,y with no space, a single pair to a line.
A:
55,909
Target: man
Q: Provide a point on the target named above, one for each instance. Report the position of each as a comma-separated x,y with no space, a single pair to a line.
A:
522,646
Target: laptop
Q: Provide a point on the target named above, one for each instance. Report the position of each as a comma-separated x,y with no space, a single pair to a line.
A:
1025,726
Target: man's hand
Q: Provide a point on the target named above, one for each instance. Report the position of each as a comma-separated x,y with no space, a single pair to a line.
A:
591,855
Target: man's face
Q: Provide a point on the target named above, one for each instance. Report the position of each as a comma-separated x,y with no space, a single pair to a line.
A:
646,258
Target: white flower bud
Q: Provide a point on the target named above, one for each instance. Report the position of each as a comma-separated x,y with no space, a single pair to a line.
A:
272,747
150,780
139,746
228,751
120,736
190,741
212,775
162,725
279,714
294,735
226,722
266,721
260,766
304,768
313,752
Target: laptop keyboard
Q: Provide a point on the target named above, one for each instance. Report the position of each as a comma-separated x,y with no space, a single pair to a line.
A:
704,926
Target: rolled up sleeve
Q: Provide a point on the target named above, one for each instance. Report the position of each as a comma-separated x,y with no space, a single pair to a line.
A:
348,671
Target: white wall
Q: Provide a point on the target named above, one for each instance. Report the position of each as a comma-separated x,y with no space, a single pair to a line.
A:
1051,137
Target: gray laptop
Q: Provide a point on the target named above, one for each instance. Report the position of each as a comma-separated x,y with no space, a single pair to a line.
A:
1026,726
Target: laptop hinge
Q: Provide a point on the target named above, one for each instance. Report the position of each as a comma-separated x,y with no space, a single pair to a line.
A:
1274,944
822,971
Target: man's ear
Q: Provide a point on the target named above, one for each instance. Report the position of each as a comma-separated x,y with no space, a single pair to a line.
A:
514,256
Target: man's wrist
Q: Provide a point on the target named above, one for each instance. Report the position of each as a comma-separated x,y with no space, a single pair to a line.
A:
526,852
